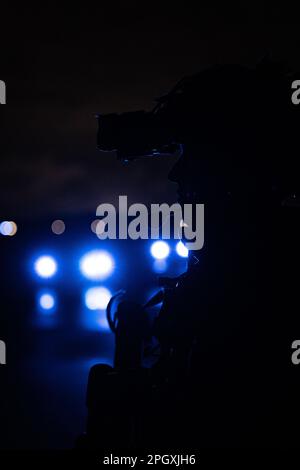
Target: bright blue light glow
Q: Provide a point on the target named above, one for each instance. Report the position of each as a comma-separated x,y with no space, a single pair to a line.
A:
96,265
160,265
103,323
182,250
97,298
47,301
45,266
160,250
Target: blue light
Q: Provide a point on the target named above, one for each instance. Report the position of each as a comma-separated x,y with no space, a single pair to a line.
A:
96,265
97,298
8,228
45,266
160,250
103,323
160,266
47,302
182,250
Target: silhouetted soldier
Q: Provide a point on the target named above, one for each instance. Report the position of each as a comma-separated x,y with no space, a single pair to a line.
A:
225,376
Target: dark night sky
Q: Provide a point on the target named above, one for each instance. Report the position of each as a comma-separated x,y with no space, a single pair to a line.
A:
61,66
